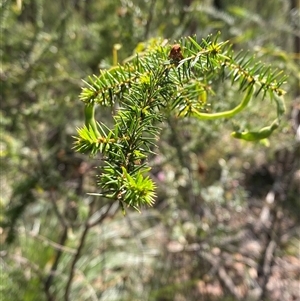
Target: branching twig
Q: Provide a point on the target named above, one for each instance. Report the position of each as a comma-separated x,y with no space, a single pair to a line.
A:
87,227
75,259
113,207
50,277
63,222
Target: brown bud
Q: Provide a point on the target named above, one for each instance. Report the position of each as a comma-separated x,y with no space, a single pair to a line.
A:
176,54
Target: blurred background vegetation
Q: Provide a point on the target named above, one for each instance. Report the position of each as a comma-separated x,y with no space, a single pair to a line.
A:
225,225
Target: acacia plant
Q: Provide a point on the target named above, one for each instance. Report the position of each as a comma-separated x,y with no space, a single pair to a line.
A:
153,84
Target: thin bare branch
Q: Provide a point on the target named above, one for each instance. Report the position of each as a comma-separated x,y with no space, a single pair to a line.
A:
87,227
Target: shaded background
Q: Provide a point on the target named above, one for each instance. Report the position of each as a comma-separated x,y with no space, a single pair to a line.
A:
225,225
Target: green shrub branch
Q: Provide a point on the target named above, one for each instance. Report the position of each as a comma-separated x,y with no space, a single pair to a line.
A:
154,84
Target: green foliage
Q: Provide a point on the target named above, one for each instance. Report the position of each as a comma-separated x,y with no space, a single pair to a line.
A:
150,87
203,203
